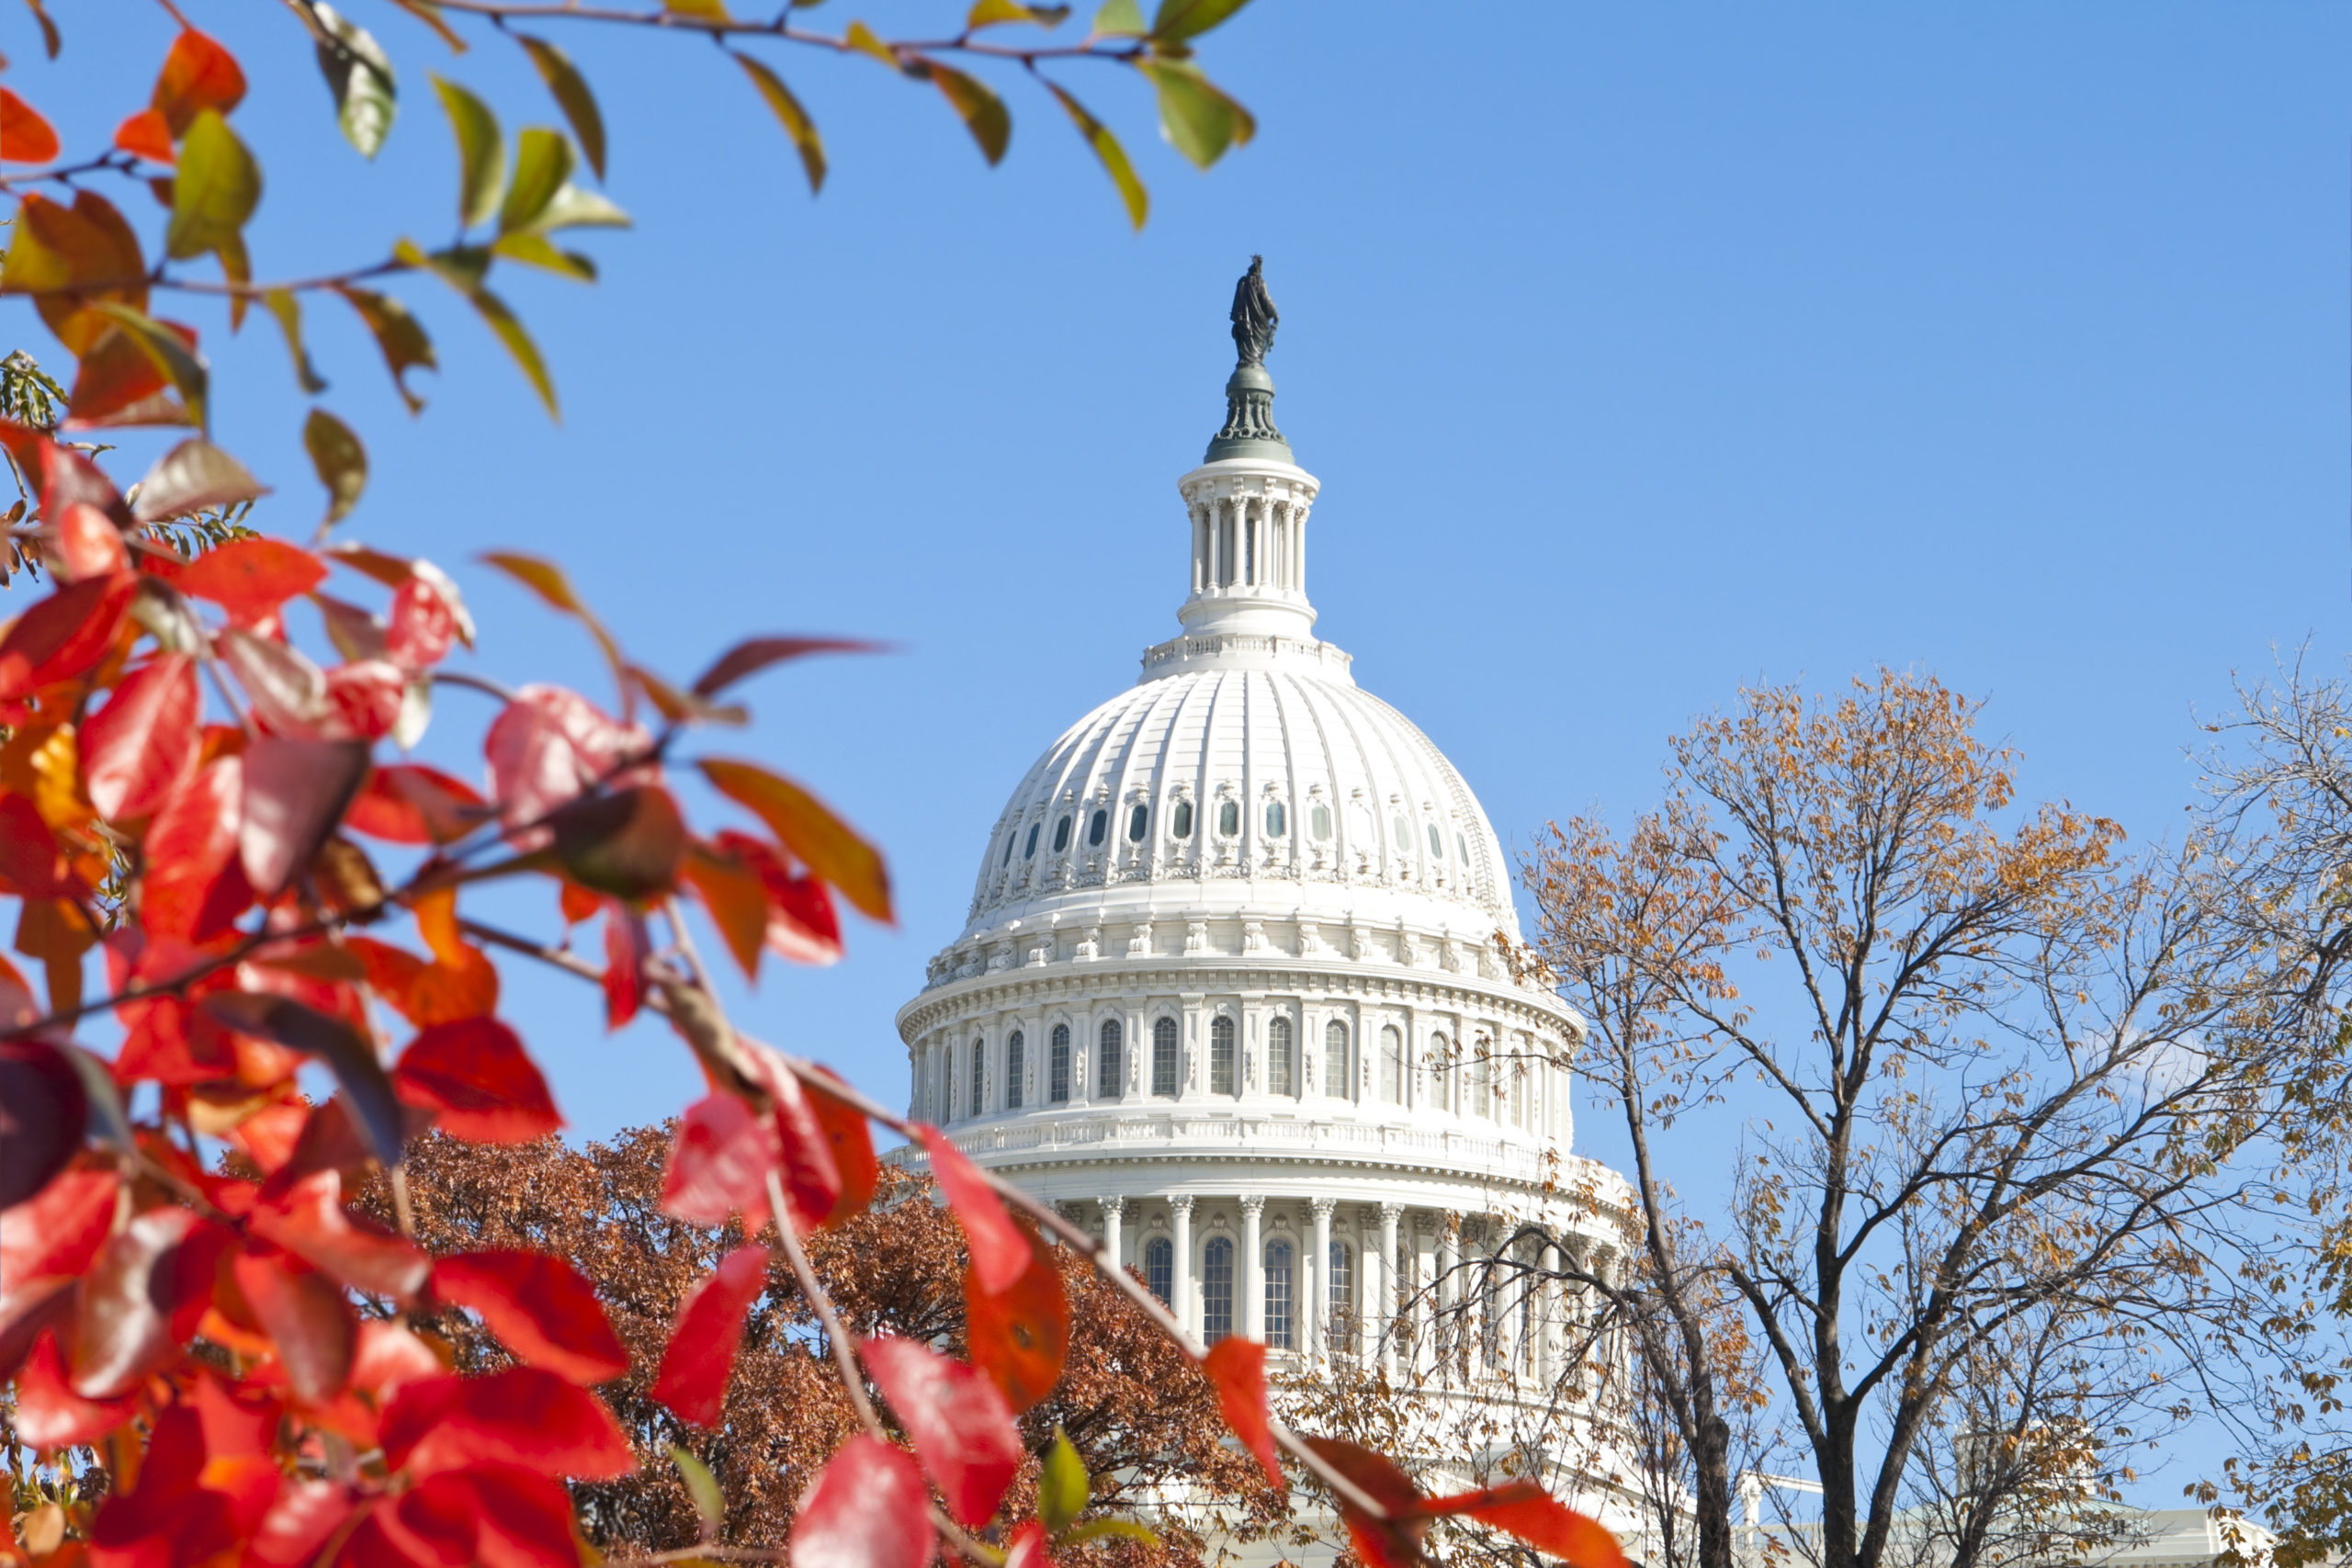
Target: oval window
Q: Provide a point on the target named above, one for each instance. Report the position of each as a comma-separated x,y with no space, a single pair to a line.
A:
1009,840
1320,820
1138,821
1461,847
1182,826
1436,845
1100,827
1031,851
1229,817
1274,819
1061,835
1404,831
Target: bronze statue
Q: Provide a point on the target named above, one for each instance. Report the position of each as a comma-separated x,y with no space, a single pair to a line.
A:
1254,316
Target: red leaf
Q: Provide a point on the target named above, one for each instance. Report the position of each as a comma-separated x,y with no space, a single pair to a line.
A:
57,1233
734,897
362,699
195,888
755,654
812,1181
147,134
141,1299
1020,1336
802,923
625,949
306,1315
421,627
295,793
1391,1543
1238,1369
1527,1511
390,1357
197,74
30,863
853,1145
540,1308
1027,1548
310,1222
137,748
249,578
498,1516
719,1162
709,1330
428,993
477,1074
44,1110
547,745
409,803
88,544
867,1509
525,1415
25,136
302,1521
999,1252
287,691
49,1415
64,634
962,1428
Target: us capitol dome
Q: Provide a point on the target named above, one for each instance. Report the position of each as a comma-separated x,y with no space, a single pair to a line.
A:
1229,991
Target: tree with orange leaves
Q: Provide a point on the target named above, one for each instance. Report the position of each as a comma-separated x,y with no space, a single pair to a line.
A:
1994,1094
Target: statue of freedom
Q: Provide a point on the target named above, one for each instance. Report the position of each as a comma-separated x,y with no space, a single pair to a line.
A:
1254,316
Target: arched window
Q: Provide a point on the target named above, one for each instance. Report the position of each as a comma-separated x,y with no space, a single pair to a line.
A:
1342,1294
1163,1059
1016,1052
1441,1070
1223,1075
1392,1065
1139,823
1318,821
1061,834
1058,1065
1100,827
1031,852
1338,1082
1181,824
1159,1267
1278,1294
1436,845
1277,822
1481,1083
980,1078
1229,817
1216,1289
1281,1076
1109,1062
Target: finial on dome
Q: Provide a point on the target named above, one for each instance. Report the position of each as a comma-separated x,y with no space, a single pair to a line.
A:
1250,392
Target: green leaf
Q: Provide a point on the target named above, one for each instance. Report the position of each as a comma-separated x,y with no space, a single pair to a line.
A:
462,269
535,250
1114,157
1195,116
707,10
237,267
1095,1529
481,179
542,165
180,363
703,1487
792,116
1119,18
340,460
571,95
398,335
1190,19
359,73
218,187
282,304
861,38
575,208
983,112
1061,1487
991,13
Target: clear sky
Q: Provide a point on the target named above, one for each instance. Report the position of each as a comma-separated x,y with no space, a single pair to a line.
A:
1642,350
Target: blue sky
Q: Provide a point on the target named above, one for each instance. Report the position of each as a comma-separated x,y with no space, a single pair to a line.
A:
1642,352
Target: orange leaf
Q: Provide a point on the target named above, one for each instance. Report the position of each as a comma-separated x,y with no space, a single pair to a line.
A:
1238,1368
806,826
1533,1515
147,134
1391,1543
1000,1249
852,1146
25,136
737,902
197,74
1020,1336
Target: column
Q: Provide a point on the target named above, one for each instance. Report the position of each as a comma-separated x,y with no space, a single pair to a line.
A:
1181,1286
1551,1359
1423,1273
1388,1300
1449,1295
1112,1208
1319,1305
1506,1302
1253,1268
1199,549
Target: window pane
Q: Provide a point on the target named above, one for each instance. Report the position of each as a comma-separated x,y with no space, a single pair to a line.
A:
1217,1289
1061,835
1436,845
1110,1062
1336,1077
1278,1296
1139,823
1163,1057
1058,1065
1100,827
1319,819
1279,1076
1404,830
1392,1065
1275,821
1010,839
1223,1077
1031,851
1015,1053
1229,817
1341,1302
1183,825
979,1077
1159,1267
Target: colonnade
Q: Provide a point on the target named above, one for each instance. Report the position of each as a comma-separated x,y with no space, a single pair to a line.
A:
1248,542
